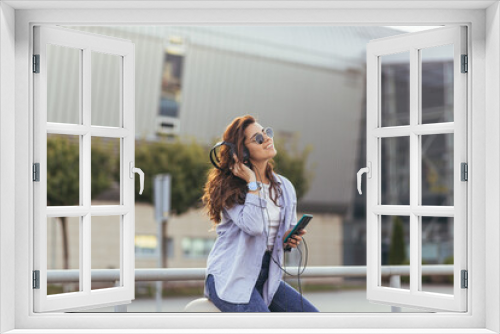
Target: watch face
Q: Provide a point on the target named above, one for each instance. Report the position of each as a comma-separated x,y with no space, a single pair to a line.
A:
252,186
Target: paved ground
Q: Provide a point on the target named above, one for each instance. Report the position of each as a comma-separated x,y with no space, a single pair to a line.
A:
337,301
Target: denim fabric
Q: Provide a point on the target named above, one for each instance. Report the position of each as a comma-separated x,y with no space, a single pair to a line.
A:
286,299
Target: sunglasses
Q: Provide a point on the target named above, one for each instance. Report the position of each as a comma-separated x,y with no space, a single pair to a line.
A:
259,137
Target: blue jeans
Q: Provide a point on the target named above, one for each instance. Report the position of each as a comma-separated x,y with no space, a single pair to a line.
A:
286,299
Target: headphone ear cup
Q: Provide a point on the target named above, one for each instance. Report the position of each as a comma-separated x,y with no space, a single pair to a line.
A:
231,148
246,154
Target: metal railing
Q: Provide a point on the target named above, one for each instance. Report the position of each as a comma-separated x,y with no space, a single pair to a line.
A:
185,274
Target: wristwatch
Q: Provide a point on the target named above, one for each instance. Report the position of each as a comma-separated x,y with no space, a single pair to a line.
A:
253,186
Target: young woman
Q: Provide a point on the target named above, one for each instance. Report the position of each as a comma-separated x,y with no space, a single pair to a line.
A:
253,210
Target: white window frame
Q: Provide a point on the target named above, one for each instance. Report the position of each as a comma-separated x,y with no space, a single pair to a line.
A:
86,43
483,211
415,296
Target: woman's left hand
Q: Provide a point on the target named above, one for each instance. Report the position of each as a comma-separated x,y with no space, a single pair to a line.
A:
294,240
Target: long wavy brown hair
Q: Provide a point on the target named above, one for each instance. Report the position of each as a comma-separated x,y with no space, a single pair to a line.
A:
223,189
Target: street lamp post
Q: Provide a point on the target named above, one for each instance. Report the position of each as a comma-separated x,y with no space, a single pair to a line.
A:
162,200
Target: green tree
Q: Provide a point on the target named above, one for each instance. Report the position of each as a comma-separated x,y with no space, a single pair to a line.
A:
291,162
63,175
105,163
63,178
397,251
187,163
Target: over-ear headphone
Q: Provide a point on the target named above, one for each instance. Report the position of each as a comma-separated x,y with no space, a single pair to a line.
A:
232,150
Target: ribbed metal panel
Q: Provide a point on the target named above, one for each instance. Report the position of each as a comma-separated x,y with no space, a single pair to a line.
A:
149,65
325,46
322,105
305,80
62,89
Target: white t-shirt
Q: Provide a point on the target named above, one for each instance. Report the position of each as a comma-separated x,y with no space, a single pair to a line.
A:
274,215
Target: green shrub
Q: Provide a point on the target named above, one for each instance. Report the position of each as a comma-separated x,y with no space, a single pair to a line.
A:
449,278
292,163
63,171
397,251
186,162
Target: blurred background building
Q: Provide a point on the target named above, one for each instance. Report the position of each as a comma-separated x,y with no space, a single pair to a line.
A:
308,83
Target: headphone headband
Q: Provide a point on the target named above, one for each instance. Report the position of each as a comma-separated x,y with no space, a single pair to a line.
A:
215,160
213,155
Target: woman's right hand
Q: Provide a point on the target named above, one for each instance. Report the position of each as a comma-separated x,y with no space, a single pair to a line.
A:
242,171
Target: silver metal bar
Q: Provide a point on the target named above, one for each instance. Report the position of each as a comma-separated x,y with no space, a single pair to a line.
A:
196,274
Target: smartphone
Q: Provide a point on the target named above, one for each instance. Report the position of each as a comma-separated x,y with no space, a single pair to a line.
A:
300,226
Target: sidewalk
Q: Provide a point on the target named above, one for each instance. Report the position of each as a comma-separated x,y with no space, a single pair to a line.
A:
338,301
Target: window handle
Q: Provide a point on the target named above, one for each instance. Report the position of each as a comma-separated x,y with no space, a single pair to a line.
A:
138,171
367,170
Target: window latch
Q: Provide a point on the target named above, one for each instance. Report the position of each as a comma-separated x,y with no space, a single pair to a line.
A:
367,170
138,171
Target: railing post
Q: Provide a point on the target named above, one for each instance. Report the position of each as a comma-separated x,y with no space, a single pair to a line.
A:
395,282
160,275
120,308
159,296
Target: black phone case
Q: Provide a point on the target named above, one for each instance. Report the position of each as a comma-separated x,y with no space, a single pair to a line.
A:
304,221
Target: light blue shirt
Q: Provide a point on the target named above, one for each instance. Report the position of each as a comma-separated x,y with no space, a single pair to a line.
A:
236,257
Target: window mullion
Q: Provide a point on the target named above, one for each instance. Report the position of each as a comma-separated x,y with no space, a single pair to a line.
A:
85,168
415,266
392,210
460,155
127,121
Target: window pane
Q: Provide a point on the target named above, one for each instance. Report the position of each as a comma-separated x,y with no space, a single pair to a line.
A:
106,89
63,252
63,170
105,171
395,89
105,248
395,171
437,84
63,84
395,248
437,249
437,169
